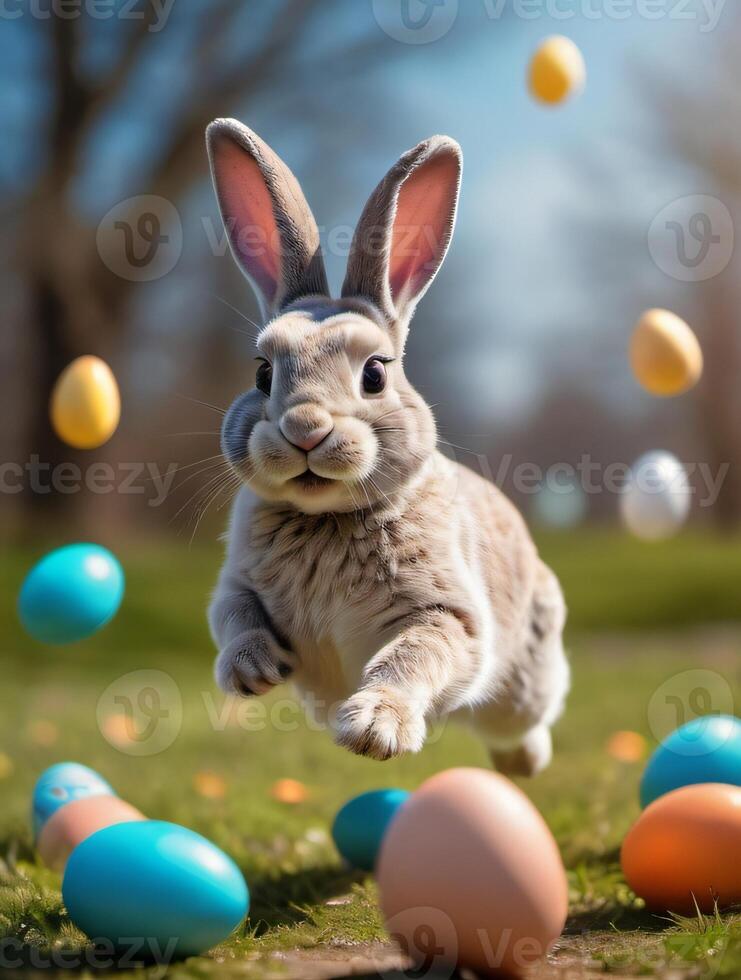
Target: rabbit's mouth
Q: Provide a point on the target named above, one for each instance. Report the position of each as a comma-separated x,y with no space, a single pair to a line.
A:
310,481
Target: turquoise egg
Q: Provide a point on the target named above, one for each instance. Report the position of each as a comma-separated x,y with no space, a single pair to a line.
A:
71,593
705,750
62,783
360,825
154,889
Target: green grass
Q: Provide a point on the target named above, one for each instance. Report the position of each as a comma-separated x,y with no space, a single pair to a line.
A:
639,616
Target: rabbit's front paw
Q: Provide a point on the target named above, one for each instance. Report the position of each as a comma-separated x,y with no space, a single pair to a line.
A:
252,663
380,723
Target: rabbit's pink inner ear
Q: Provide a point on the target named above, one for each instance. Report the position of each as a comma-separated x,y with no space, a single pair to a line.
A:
248,216
423,224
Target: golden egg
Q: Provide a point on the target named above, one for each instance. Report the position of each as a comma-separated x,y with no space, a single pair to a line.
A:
684,851
85,404
665,355
557,70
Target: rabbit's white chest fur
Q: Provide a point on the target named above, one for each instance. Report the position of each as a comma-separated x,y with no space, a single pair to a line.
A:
336,585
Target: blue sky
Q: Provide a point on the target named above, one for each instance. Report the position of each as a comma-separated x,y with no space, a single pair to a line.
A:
527,189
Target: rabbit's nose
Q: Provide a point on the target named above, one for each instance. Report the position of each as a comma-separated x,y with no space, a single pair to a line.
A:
306,427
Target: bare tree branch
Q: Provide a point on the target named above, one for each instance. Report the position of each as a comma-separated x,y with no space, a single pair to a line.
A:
184,154
71,93
109,87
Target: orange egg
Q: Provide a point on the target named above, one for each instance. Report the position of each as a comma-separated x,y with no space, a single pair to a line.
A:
686,848
210,785
470,875
626,746
289,791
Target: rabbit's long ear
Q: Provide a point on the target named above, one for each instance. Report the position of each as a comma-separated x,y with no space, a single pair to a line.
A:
405,228
272,232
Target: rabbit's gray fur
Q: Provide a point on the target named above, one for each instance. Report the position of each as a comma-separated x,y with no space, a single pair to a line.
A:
390,583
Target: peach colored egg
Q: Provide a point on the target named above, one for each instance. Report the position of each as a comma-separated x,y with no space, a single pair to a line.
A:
469,874
78,820
85,404
686,848
665,355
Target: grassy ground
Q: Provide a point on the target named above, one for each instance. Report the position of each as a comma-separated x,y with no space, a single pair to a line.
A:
640,616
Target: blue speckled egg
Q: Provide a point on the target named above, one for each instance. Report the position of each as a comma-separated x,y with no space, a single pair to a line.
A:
71,593
168,888
359,827
62,783
705,750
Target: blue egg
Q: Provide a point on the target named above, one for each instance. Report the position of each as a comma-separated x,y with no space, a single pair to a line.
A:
360,825
71,593
167,887
62,783
705,750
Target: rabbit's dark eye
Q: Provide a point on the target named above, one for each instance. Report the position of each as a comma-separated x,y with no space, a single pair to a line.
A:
374,376
264,378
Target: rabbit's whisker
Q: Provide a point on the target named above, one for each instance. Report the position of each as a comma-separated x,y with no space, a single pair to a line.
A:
242,315
170,435
454,445
202,472
233,487
378,490
392,411
187,466
199,462
387,463
365,491
225,485
197,492
197,401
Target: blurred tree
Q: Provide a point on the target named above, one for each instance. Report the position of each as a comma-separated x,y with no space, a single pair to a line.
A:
700,125
98,82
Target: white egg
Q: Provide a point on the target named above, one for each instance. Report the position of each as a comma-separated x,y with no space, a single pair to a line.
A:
656,500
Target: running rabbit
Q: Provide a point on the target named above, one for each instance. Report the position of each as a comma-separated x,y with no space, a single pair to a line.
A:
392,584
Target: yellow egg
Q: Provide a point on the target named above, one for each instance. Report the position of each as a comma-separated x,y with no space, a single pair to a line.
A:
85,404
557,70
665,355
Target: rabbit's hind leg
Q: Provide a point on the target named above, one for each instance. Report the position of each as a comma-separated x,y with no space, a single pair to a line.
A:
516,723
545,686
530,757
